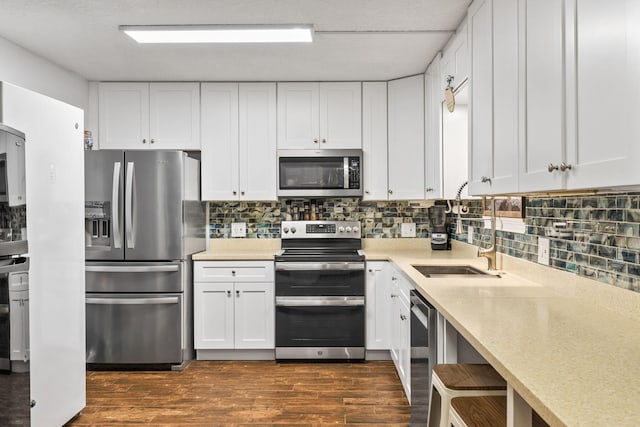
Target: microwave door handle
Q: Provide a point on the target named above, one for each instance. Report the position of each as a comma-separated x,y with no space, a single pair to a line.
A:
129,200
115,207
345,171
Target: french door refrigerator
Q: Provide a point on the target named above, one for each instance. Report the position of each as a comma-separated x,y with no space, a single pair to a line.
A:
143,220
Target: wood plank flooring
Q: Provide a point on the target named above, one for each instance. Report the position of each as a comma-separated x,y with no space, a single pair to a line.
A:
211,393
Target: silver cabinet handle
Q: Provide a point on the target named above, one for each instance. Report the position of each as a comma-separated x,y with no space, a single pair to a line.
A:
366,191
552,167
394,296
305,266
235,193
132,269
129,199
115,206
319,301
324,140
429,189
152,140
132,301
144,141
390,191
564,166
315,140
242,193
229,294
403,317
485,179
233,272
237,294
370,270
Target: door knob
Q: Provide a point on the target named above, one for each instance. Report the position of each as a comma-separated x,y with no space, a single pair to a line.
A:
315,140
390,191
238,294
152,140
564,166
324,140
144,141
485,179
552,167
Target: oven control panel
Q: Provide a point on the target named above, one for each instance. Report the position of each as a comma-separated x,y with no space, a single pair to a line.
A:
320,229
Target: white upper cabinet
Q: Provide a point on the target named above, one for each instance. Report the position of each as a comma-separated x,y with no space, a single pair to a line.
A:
493,145
319,115
542,95
238,141
605,148
433,108
257,127
149,115
406,138
455,59
374,140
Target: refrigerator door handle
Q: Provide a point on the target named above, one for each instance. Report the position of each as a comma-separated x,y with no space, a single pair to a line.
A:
132,269
115,206
132,301
131,235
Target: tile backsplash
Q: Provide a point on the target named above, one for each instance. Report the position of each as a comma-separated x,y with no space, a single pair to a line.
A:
378,219
602,242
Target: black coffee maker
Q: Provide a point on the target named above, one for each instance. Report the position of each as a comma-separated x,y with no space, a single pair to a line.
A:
440,240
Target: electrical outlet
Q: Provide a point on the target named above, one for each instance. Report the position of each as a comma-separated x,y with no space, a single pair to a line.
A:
408,229
543,250
238,229
470,234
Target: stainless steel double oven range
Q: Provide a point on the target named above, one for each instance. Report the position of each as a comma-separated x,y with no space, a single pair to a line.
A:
320,291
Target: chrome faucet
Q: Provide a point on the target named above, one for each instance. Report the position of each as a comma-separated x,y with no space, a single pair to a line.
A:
490,252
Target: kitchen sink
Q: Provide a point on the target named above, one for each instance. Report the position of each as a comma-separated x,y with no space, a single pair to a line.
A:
438,271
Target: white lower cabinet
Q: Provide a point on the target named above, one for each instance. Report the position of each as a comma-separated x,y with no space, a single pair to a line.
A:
378,305
234,305
400,323
19,319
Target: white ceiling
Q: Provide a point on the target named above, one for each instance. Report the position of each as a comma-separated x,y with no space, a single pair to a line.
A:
354,39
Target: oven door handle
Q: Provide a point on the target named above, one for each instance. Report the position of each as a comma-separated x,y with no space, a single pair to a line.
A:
307,266
319,301
133,301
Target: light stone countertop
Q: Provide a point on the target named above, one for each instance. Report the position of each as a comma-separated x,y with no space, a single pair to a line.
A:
569,346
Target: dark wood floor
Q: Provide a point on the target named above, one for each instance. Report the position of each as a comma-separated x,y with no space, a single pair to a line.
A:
253,393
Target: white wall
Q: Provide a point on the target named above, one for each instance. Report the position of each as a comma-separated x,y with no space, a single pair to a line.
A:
30,71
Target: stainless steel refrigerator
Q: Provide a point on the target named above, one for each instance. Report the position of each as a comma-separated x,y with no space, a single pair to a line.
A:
143,220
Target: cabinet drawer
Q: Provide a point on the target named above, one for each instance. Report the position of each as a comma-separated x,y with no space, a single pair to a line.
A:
240,271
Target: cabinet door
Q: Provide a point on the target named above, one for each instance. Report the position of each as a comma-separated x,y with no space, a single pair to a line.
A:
219,163
433,143
257,141
406,138
254,316
607,54
123,115
213,317
455,60
542,97
298,115
404,353
378,306
394,320
481,98
341,115
19,320
174,116
374,140
504,178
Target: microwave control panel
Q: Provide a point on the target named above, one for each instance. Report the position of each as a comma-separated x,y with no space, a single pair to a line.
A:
354,173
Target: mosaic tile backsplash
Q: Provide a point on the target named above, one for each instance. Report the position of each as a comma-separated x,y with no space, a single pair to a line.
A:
602,241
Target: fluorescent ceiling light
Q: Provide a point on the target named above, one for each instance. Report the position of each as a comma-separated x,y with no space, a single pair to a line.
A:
219,33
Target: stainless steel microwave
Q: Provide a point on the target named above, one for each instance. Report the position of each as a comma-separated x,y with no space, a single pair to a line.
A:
319,173
12,167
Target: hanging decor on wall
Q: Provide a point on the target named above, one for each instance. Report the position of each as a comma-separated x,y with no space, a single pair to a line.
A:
449,97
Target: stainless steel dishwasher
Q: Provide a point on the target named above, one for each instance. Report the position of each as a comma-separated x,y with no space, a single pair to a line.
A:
423,356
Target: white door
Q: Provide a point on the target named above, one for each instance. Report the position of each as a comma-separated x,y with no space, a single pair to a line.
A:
394,320
378,306
404,354
123,115
298,115
505,97
254,316
174,116
406,138
481,99
54,169
341,115
213,316
542,95
257,141
374,140
607,145
455,60
219,155
432,125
